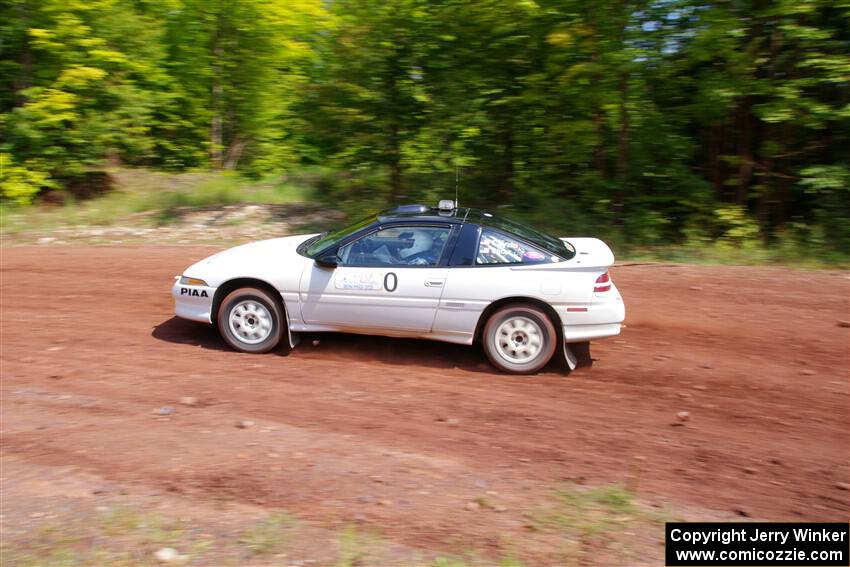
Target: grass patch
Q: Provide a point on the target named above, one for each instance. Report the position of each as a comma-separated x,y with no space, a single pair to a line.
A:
140,196
141,527
576,526
221,190
357,548
714,254
596,523
125,537
269,536
116,538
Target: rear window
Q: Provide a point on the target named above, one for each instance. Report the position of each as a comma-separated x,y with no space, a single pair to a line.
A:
497,247
540,239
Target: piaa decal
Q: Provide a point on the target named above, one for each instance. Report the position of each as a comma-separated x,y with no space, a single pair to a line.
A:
193,292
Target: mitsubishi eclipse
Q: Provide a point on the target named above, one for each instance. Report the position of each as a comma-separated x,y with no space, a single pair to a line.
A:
444,273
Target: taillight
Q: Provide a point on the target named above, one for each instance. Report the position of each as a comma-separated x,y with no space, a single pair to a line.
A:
603,283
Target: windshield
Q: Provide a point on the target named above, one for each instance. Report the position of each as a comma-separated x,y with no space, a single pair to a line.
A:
549,243
328,239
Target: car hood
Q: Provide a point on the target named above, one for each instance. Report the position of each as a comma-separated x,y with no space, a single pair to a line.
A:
262,259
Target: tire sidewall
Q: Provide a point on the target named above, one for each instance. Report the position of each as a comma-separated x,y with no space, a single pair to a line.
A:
547,329
260,296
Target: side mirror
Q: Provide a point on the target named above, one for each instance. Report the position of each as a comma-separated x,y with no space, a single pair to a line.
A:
329,260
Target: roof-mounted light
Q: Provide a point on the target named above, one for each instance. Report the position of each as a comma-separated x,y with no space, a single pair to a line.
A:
446,205
410,209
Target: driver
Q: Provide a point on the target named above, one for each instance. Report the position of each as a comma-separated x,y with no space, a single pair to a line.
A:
421,251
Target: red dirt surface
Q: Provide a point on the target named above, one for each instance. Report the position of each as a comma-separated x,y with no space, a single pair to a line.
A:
400,435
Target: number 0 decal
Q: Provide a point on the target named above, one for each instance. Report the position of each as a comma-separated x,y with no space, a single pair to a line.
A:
387,282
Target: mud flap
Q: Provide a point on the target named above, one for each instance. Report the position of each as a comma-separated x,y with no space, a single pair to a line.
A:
294,338
577,355
572,361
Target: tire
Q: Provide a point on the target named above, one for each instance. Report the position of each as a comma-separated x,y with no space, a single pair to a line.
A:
250,320
519,339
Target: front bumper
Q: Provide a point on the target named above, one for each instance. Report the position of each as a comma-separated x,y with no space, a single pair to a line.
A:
193,302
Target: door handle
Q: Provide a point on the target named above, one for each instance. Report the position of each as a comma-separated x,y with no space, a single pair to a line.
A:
434,283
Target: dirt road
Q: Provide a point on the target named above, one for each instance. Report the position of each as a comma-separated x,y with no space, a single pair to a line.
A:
424,441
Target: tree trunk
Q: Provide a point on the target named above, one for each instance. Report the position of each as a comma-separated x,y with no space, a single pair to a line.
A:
24,80
715,149
765,202
507,183
598,124
745,153
234,152
782,192
395,164
395,180
618,202
622,151
599,152
216,144
767,199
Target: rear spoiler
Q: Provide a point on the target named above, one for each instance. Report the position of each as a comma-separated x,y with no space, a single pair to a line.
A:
590,252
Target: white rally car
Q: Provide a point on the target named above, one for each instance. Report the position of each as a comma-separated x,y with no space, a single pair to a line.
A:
449,274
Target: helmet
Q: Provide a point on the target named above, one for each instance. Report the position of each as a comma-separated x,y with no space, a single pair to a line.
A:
422,241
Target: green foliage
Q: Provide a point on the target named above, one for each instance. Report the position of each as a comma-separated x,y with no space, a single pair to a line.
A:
737,228
88,84
21,183
649,122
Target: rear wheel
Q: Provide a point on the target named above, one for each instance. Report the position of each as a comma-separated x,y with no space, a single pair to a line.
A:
519,339
250,320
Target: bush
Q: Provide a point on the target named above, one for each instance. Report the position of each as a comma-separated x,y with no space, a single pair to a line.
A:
739,230
21,183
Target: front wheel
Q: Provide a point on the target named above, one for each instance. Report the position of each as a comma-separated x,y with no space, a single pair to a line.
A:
519,339
250,320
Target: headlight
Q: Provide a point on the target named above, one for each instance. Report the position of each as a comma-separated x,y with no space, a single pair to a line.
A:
192,281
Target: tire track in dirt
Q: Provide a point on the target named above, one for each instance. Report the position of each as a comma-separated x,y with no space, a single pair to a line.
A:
754,354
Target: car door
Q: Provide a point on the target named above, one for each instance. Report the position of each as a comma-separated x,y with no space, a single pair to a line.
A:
390,279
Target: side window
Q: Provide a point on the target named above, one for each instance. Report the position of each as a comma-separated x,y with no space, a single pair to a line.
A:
498,248
397,246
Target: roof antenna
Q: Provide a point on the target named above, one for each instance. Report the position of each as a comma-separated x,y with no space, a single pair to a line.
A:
457,178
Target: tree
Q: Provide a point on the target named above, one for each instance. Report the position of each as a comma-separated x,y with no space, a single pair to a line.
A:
369,98
88,77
